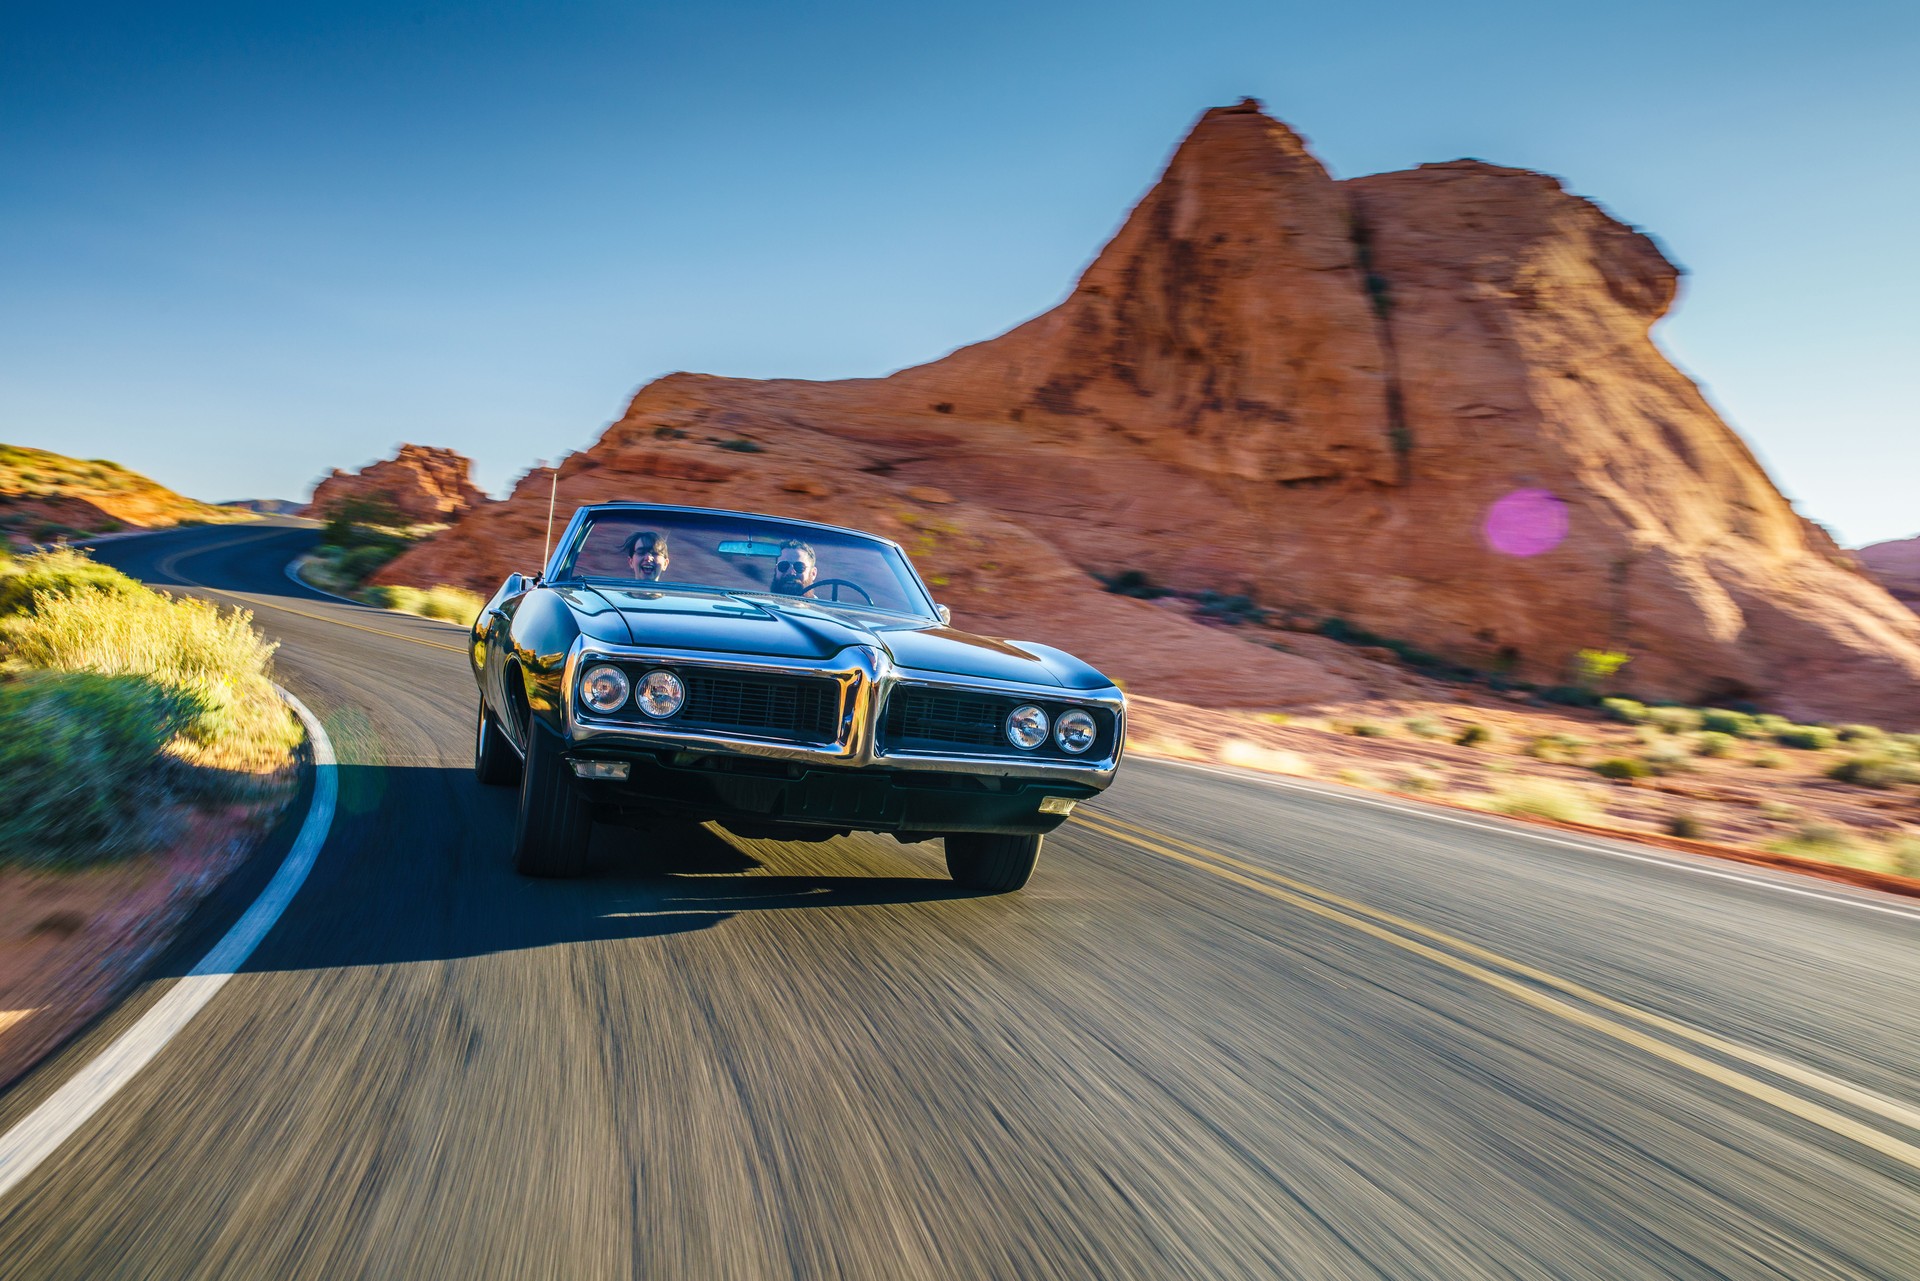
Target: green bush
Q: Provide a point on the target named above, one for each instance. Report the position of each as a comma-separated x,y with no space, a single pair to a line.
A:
1821,841
58,571
1686,827
354,522
1719,720
1675,720
1624,710
80,755
1474,736
360,563
1425,727
1860,733
1540,799
1714,743
1808,738
1622,767
1555,747
1875,771
452,604
1668,758
214,661
1768,760
1367,729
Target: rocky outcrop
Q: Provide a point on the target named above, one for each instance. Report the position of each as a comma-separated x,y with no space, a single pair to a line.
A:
423,485
1895,565
1426,403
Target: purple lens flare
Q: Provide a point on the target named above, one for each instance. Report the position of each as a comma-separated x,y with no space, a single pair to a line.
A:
1527,522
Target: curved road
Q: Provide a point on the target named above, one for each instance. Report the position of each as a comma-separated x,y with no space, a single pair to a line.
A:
1234,1027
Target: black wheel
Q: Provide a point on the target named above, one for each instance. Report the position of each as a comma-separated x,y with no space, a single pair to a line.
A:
494,761
550,835
986,861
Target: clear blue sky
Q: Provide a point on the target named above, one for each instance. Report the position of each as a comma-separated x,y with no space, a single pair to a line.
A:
242,244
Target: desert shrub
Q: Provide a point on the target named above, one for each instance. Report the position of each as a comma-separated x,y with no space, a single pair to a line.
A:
1555,747
1719,720
1231,610
79,762
1824,841
1668,758
1474,736
1675,720
1777,810
58,571
1767,760
1570,696
1367,729
1541,799
353,522
1808,738
453,604
1418,781
741,445
214,661
1714,743
1135,583
1859,733
1875,771
358,564
1356,778
1624,710
1622,767
1425,727
1903,853
1685,826
1767,724
1273,718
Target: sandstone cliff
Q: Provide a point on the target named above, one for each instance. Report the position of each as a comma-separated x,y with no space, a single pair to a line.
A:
1895,565
1424,402
426,486
45,495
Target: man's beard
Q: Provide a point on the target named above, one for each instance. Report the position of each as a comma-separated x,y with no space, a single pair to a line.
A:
788,585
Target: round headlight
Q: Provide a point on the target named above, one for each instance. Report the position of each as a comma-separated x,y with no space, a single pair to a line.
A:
604,688
1075,731
660,694
1026,727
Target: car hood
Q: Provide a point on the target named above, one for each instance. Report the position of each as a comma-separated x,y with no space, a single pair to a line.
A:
753,625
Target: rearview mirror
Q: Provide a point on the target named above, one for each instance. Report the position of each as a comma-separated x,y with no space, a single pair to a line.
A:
748,547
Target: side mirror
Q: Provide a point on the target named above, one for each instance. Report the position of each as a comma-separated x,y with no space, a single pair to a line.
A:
946,615
514,585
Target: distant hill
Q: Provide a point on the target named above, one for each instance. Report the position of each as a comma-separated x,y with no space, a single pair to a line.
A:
44,495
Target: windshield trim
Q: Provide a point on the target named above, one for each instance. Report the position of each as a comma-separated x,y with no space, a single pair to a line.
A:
598,582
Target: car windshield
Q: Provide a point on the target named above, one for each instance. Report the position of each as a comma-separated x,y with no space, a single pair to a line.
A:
716,551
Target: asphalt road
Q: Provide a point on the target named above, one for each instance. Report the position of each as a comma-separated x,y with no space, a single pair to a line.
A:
1233,1028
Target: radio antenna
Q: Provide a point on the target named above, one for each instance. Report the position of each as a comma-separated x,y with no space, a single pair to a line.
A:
553,492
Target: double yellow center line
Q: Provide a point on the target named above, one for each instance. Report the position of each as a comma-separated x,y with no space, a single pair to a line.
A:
1478,963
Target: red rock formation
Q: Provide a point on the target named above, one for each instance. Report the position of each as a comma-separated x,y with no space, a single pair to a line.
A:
1424,402
426,486
1895,565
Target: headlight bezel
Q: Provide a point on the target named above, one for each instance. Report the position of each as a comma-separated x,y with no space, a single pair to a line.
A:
1076,716
644,686
620,680
1045,729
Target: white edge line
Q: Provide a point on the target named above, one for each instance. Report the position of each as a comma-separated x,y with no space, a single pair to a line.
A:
1522,830
41,1132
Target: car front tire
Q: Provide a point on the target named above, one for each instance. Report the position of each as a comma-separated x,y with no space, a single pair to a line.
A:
550,836
988,861
494,762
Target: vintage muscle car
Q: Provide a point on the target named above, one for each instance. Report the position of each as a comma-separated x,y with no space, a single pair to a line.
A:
789,680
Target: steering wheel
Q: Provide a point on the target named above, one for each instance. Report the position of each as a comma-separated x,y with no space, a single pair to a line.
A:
837,584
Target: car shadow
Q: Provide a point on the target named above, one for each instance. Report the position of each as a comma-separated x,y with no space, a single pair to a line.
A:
418,867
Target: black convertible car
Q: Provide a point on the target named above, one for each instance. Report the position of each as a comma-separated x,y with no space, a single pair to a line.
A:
790,680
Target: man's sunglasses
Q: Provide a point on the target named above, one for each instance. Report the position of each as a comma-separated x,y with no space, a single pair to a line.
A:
789,566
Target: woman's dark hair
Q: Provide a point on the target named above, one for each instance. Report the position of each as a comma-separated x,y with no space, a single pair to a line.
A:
645,540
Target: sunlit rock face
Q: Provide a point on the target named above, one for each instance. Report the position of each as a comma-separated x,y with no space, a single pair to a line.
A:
1424,402
425,486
